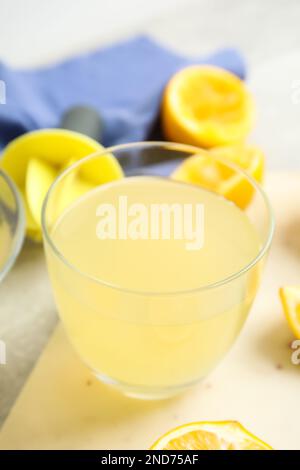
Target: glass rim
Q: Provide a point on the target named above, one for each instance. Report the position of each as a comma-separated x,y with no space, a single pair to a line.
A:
19,235
172,146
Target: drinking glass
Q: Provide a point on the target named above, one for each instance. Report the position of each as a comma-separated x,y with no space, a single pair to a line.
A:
144,315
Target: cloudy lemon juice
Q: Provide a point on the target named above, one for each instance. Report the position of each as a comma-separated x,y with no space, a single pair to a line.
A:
136,306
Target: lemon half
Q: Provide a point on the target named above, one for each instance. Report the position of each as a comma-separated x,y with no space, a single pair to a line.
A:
222,435
212,174
206,106
34,160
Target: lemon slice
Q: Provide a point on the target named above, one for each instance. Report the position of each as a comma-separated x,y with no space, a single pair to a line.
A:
202,169
290,298
223,435
206,106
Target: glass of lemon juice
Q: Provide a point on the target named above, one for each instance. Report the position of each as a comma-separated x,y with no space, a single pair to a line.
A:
153,277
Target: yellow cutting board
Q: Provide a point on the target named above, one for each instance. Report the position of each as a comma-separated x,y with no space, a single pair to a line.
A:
63,407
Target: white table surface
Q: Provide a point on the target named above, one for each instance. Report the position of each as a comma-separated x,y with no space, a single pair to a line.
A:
35,32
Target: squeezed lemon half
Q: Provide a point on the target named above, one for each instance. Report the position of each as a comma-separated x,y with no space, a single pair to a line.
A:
206,106
35,159
223,435
214,175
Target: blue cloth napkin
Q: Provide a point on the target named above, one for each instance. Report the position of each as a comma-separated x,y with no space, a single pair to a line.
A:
124,82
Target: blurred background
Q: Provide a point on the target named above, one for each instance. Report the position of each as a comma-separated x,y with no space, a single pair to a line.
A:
35,32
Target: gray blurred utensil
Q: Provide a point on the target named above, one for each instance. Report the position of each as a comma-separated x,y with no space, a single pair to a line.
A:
87,120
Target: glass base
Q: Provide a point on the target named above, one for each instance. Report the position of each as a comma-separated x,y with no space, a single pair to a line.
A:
144,393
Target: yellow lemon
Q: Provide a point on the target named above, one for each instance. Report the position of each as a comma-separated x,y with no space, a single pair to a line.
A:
290,298
210,173
54,146
206,106
223,435
33,160
39,177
